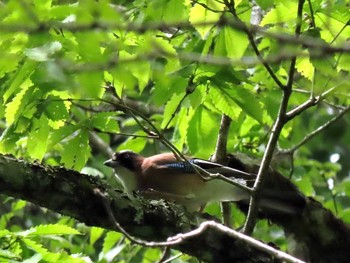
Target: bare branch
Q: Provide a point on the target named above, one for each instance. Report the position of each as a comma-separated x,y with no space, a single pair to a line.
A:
247,239
317,131
271,145
219,157
307,104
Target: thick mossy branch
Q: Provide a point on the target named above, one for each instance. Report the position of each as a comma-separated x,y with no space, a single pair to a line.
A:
68,192
77,195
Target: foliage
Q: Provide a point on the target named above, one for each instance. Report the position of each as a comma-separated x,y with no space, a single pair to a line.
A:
142,75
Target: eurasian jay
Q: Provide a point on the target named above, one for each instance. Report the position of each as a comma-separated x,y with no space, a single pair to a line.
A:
162,176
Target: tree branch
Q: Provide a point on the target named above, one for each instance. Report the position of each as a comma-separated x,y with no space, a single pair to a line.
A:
272,143
220,156
79,196
243,26
308,137
325,237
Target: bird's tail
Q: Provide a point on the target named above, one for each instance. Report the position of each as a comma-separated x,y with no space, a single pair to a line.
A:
278,194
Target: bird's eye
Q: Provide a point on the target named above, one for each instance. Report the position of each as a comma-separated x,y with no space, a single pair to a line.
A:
126,156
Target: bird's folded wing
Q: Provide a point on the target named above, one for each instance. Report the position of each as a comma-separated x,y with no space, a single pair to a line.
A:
187,167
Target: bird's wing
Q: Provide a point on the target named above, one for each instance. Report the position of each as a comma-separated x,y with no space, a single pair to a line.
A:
187,167
224,170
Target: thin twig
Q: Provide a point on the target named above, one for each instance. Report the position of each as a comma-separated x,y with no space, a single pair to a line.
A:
313,23
317,131
208,8
312,101
240,236
306,41
231,7
205,175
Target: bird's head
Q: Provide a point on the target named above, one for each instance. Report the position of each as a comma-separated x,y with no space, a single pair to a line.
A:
126,165
127,159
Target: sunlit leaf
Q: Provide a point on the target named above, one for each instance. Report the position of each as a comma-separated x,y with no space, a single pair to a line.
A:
21,76
202,130
305,68
77,151
236,42
38,138
110,240
16,107
95,234
53,229
105,121
284,11
170,109
136,144
202,18
224,102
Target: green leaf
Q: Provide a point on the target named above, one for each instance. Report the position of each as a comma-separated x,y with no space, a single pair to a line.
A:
8,140
18,205
8,64
208,43
53,229
285,11
166,87
305,68
236,42
160,45
181,127
15,108
170,109
247,102
38,138
265,4
331,27
197,97
21,75
344,62
106,122
91,83
77,151
60,134
123,78
305,185
38,247
8,256
56,110
175,11
199,16
141,71
4,232
50,256
95,234
224,103
220,45
110,240
202,133
136,144
345,215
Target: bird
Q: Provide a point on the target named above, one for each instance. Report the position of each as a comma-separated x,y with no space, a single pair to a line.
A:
163,176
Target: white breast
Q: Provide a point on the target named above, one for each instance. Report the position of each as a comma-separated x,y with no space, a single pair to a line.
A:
126,178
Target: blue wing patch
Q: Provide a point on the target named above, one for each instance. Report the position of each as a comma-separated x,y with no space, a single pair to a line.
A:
182,166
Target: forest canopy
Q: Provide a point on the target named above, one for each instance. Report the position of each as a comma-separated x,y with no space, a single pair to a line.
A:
265,82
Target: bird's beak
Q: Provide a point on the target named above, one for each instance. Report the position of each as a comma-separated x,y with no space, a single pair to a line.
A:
110,163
